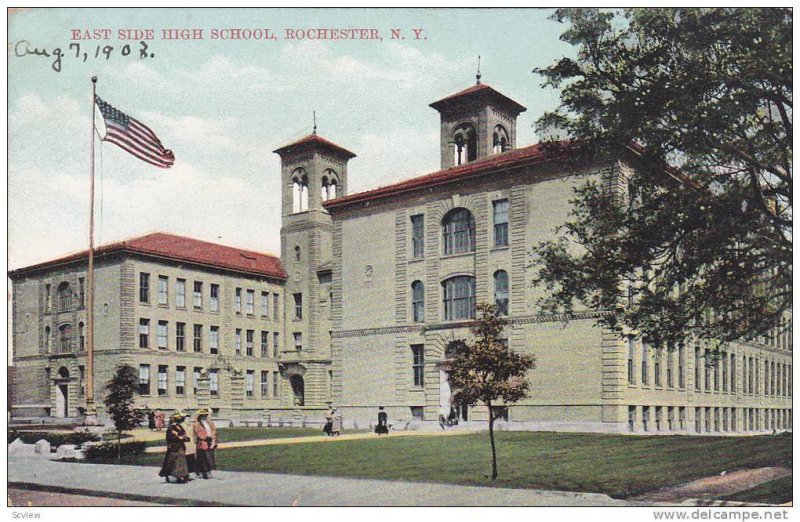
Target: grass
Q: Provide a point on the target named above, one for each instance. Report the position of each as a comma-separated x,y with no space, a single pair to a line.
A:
621,466
777,491
239,434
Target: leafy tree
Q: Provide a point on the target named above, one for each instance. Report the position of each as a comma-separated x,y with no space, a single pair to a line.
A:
121,390
701,249
488,371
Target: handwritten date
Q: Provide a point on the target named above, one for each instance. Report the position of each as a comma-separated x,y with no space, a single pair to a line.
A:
24,48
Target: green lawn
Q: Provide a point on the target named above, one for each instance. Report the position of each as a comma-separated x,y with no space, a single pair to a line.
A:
620,466
777,491
237,434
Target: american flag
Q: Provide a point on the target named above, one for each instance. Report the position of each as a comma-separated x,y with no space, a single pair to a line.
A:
134,136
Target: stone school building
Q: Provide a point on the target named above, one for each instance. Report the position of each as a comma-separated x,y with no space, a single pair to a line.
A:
368,291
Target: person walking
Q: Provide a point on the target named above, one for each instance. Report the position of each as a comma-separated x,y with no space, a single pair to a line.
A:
159,420
205,436
174,464
328,427
151,419
383,422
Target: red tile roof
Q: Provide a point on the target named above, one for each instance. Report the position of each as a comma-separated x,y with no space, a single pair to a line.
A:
534,154
480,90
179,248
311,141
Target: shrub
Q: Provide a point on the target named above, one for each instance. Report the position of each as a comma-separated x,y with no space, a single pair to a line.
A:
110,450
54,438
12,436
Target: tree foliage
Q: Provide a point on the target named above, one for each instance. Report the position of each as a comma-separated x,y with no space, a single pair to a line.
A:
487,371
702,248
120,393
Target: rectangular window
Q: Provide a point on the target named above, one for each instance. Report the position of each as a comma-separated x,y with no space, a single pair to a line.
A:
162,380
418,236
144,333
213,382
646,418
250,302
264,344
264,384
682,418
631,418
180,337
198,338
144,287
298,306
716,375
671,418
275,302
264,304
724,372
249,382
180,293
249,342
734,425
48,299
716,419
657,367
659,418
237,301
161,335
708,420
163,285
180,380
213,342
418,364
459,298
708,370
724,419
501,223
144,379
237,341
697,368
670,369
276,390
196,378
698,420
198,294
298,341
82,377
81,292
733,373
645,367
275,342
631,367
214,298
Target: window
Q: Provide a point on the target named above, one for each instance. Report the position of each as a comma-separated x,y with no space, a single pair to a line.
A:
144,379
180,293
501,223
417,412
144,333
214,382
631,367
418,364
249,303
144,287
631,418
458,228
198,338
64,297
645,361
697,362
276,388
708,419
698,420
196,379
418,236
459,298
213,342
682,418
237,301
501,292
198,294
299,191
733,373
249,382
81,338
657,367
724,372
161,335
48,299
264,383
264,344
671,418
418,301
47,340
163,285
646,418
275,336
681,367
500,141
708,370
298,341
65,338
716,375
670,369
297,255
298,306
275,307
264,304
180,337
238,341
659,420
249,342
81,292
214,298
82,378
162,380
180,380
465,144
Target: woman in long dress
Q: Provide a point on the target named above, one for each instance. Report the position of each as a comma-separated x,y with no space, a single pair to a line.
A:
205,437
383,422
175,459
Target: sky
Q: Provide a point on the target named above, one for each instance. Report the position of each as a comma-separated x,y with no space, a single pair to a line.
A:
223,106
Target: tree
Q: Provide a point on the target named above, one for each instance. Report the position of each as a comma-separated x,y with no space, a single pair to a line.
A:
121,390
701,248
488,371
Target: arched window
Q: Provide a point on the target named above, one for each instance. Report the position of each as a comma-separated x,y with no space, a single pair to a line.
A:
329,182
64,297
81,338
297,253
299,191
458,229
418,301
500,141
465,144
65,338
501,292
459,298
46,338
298,390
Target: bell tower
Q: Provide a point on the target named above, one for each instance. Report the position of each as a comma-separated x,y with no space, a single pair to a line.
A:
476,123
313,170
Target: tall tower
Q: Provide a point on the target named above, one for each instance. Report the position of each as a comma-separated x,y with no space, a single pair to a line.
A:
313,170
476,123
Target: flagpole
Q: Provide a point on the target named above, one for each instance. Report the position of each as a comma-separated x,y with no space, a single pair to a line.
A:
91,412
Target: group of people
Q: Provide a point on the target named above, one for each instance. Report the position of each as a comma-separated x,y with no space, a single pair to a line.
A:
186,455
155,420
333,422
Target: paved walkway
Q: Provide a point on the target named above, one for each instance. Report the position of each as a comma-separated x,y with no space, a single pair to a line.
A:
717,485
233,488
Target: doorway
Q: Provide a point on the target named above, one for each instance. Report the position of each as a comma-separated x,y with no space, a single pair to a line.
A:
62,400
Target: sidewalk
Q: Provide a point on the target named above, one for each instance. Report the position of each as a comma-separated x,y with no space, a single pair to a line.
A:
233,488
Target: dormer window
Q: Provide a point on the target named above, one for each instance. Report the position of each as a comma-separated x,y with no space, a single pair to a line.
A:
500,141
465,144
299,191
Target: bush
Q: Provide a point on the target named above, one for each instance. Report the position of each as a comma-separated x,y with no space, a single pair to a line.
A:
54,438
110,451
12,436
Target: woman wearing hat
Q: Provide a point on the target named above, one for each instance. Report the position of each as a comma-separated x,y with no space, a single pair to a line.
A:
175,460
205,437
